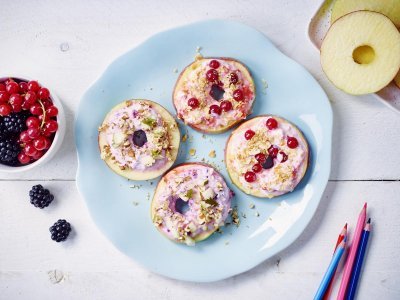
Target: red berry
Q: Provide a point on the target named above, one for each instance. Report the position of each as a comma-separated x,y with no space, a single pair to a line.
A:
43,93
25,105
284,156
52,111
40,143
292,142
16,102
38,155
51,126
23,158
47,103
30,149
212,75
238,95
226,105
33,86
46,132
215,109
271,123
5,109
36,109
192,102
32,122
48,144
45,117
2,87
250,176
214,64
273,151
30,97
23,87
4,96
16,99
12,87
260,157
33,132
233,78
24,137
257,168
249,134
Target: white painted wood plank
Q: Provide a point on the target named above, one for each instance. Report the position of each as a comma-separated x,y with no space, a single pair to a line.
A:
92,268
68,44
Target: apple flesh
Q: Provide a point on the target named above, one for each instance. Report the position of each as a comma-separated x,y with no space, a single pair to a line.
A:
360,52
174,136
390,8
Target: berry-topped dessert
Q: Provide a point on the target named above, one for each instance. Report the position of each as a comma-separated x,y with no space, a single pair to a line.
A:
190,203
266,156
139,139
28,121
213,94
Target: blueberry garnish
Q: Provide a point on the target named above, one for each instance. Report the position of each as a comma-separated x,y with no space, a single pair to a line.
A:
268,163
217,92
139,138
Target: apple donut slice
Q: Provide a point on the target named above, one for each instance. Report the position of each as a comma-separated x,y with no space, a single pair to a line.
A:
360,53
190,202
266,156
213,94
139,139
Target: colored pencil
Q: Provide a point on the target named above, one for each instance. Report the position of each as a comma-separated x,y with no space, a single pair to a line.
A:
341,237
352,254
329,272
359,262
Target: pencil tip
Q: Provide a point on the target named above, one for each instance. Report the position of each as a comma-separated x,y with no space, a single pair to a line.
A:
365,205
345,226
369,221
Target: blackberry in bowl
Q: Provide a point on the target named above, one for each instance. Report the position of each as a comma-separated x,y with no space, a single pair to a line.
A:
32,124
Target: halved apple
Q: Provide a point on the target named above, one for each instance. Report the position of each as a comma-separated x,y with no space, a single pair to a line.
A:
390,8
360,53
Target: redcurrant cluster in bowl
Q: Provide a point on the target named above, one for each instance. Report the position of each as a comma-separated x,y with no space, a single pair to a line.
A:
28,121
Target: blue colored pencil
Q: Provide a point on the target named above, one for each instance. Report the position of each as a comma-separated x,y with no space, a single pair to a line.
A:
331,270
355,275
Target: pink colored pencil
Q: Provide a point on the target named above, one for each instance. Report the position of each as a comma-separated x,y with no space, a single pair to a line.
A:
341,237
352,254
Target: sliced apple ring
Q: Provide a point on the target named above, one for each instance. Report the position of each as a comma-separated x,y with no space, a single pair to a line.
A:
139,139
214,94
360,52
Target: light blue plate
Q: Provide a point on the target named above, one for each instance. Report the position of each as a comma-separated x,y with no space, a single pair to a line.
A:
122,212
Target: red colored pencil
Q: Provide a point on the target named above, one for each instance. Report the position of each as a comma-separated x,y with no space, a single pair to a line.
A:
341,237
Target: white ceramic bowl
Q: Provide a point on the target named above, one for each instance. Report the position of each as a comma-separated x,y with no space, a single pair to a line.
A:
58,138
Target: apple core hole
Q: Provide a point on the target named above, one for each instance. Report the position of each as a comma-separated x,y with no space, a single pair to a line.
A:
181,206
363,55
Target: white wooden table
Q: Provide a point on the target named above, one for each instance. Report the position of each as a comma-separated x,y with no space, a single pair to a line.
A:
67,44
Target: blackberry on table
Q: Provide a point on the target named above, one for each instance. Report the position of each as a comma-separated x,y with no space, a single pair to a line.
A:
15,122
40,197
60,230
9,150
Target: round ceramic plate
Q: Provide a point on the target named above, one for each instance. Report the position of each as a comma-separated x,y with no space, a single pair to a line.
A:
121,208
